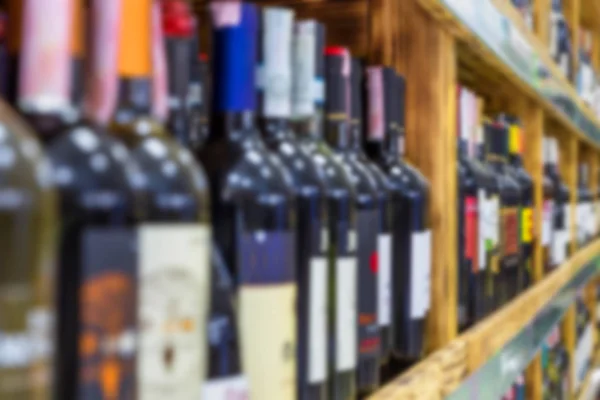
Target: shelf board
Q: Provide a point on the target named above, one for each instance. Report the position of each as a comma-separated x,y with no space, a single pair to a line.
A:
497,48
484,361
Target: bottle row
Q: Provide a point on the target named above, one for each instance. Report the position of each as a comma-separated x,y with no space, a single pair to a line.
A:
496,237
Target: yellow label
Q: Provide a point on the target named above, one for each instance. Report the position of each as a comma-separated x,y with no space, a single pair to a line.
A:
268,327
514,139
495,264
526,225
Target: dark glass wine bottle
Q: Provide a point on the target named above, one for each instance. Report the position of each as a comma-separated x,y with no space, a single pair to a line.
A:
496,142
411,229
198,101
547,230
338,67
525,181
476,186
340,231
253,208
561,232
584,208
384,236
173,231
275,106
97,206
27,277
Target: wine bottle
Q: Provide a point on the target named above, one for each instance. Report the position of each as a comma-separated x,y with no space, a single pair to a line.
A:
198,101
496,141
547,210
274,72
173,232
525,181
253,208
384,236
583,211
561,227
340,231
178,28
476,184
28,211
96,252
338,67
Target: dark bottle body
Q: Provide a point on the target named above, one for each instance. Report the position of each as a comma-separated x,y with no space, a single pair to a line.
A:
561,229
584,208
547,212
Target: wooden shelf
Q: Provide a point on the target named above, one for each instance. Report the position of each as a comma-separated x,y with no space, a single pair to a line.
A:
462,364
590,15
583,392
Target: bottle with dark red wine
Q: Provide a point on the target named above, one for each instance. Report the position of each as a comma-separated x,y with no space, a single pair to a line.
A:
97,244
274,72
173,231
496,153
338,67
525,181
339,234
252,208
475,183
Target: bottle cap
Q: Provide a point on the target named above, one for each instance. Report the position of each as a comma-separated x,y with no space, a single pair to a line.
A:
274,69
378,117
135,60
337,75
160,108
234,59
308,89
356,92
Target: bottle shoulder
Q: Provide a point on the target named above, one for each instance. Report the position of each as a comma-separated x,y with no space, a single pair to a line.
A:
404,177
364,183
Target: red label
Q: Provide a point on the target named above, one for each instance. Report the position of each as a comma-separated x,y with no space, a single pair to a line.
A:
471,231
510,231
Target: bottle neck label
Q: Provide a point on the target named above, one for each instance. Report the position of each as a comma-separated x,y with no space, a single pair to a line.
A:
159,76
45,71
308,88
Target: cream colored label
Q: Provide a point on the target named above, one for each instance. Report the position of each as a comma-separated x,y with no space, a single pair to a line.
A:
174,269
268,325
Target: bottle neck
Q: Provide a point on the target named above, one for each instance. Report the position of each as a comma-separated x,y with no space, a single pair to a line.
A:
355,135
274,130
134,98
516,159
232,126
178,67
336,131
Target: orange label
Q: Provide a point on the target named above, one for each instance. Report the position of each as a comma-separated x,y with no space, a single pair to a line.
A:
134,43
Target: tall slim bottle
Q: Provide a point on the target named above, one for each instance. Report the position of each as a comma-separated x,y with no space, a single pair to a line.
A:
340,232
338,67
384,236
496,142
525,181
27,250
253,208
561,227
274,72
583,211
96,239
173,231
548,208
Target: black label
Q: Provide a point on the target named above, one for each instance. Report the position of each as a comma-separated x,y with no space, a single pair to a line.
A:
107,341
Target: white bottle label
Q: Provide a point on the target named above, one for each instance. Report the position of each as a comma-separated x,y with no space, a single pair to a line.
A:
174,269
317,308
268,325
346,313
384,283
420,274
230,388
547,220
489,226
481,247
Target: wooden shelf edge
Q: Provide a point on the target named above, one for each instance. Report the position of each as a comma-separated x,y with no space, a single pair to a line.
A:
585,386
442,372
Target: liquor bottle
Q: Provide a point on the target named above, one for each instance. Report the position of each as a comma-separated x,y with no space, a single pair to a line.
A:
28,211
173,231
253,208
338,67
384,236
489,225
96,240
584,214
496,138
274,72
475,183
525,181
411,235
178,27
309,114
548,209
561,228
